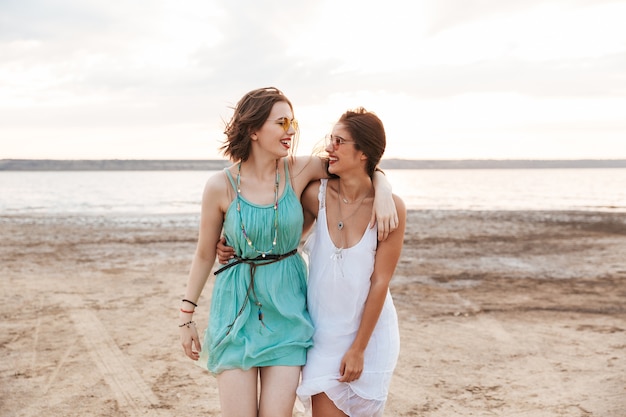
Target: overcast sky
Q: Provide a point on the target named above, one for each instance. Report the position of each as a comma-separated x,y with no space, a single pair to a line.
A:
450,79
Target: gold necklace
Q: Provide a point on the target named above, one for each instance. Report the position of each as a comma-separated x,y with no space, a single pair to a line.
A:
342,220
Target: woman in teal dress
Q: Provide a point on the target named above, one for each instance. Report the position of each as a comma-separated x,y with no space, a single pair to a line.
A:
259,327
248,325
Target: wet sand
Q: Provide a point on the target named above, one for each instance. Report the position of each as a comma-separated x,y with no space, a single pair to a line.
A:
501,314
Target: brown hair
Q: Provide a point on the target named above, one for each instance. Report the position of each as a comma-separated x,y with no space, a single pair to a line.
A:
251,112
368,133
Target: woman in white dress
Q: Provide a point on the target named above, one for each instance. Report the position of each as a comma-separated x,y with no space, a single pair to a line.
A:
356,341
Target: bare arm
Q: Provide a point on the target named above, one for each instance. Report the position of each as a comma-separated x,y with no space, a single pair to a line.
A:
211,221
310,205
305,169
309,209
384,213
305,174
387,256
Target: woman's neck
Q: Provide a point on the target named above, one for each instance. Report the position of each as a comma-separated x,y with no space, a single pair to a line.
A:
260,168
354,188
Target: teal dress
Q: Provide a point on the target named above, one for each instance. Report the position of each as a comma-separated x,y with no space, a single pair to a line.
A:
258,314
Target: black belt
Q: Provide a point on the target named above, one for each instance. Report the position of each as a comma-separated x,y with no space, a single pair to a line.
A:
250,293
259,260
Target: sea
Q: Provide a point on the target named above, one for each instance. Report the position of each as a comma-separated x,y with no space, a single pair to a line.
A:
157,196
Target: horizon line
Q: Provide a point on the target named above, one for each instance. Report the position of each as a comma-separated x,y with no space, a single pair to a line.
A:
382,159
218,164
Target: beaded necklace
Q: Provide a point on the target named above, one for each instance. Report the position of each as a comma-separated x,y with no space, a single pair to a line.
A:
243,228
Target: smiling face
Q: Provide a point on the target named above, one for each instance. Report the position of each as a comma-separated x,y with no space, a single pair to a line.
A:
342,151
367,134
276,135
253,113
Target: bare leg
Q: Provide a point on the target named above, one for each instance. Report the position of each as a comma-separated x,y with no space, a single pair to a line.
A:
278,390
238,392
322,406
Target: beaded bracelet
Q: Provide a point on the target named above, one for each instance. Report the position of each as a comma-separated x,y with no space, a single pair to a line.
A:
186,311
190,302
187,324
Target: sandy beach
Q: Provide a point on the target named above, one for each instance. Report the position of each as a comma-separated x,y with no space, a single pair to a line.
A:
501,314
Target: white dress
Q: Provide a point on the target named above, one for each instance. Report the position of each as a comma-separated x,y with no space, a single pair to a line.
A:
339,282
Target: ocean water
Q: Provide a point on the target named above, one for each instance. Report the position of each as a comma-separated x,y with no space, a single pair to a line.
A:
164,193
588,189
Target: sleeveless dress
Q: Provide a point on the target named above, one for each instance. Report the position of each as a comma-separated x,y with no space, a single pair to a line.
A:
339,282
236,337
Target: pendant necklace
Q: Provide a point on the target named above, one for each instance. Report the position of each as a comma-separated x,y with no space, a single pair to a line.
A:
342,220
263,253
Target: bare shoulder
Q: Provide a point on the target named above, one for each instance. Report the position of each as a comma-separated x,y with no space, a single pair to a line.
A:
299,162
401,210
304,169
308,167
216,190
400,206
216,182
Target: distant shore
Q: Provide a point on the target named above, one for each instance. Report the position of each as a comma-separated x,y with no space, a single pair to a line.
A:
217,164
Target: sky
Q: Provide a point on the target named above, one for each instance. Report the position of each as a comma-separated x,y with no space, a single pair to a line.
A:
450,79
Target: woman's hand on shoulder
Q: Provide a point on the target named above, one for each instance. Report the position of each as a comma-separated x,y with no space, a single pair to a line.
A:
391,247
384,212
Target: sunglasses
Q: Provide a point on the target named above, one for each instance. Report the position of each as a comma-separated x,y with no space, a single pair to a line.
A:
286,123
336,141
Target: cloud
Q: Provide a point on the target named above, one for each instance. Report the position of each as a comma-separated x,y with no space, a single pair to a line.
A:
446,14
34,20
75,66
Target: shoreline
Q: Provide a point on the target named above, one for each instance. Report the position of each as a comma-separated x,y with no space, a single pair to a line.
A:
501,313
218,164
132,218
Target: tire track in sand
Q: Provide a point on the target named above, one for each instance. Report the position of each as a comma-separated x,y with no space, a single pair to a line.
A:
132,393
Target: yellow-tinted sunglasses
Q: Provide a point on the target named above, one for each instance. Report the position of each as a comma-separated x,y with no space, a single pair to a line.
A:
287,123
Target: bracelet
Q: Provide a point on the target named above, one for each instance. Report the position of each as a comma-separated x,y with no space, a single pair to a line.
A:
190,302
187,324
186,311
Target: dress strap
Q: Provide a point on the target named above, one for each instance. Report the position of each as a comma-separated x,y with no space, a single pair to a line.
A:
231,179
321,196
286,169
288,179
